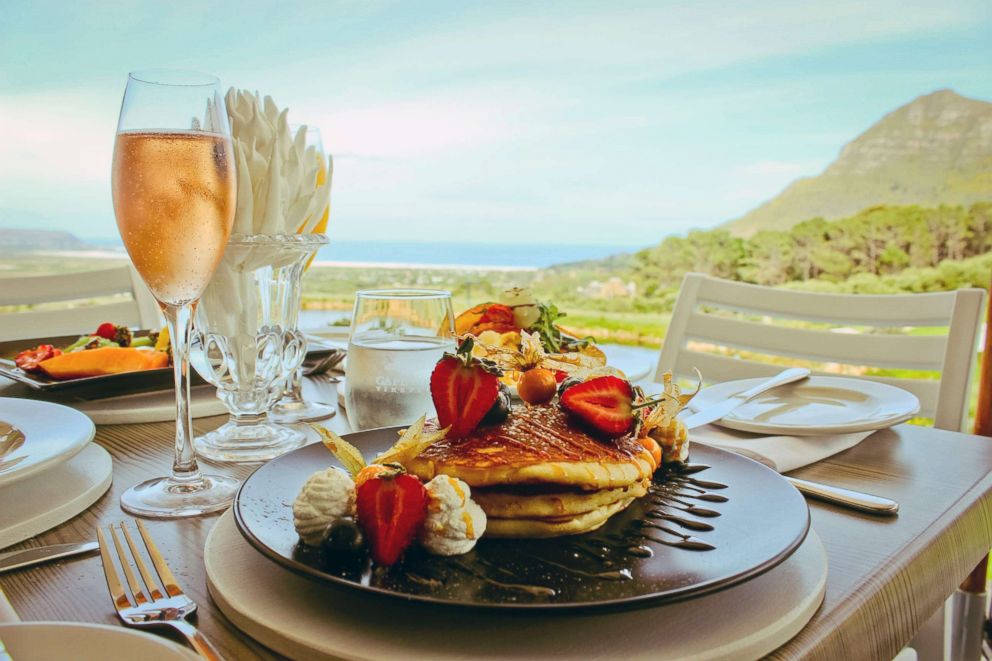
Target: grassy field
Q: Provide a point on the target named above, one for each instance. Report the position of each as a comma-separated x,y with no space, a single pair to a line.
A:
333,289
630,328
42,264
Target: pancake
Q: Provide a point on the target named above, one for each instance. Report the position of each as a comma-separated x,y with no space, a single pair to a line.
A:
536,445
554,527
550,501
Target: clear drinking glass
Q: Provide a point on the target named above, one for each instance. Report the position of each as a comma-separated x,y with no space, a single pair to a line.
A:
397,336
291,407
174,193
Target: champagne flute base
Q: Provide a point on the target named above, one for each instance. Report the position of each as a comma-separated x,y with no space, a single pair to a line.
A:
169,498
248,443
288,411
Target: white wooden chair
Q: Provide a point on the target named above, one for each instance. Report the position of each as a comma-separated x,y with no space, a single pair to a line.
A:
133,304
697,325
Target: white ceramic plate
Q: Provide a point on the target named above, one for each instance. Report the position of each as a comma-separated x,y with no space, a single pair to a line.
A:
632,361
52,434
34,641
818,405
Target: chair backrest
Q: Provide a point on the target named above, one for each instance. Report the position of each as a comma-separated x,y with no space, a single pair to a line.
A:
132,304
701,331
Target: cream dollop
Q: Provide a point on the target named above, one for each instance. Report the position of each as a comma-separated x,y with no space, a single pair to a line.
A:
454,521
276,169
326,496
673,439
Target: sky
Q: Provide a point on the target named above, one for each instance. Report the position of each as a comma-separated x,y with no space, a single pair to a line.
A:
507,122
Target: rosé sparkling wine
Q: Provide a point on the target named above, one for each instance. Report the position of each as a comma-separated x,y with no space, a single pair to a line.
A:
174,197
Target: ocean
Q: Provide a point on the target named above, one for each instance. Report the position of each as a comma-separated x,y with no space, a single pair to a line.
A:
475,254
512,255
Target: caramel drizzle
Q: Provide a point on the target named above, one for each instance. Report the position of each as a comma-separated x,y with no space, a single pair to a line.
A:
540,432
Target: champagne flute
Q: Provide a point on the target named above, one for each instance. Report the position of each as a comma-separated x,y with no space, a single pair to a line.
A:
174,197
291,407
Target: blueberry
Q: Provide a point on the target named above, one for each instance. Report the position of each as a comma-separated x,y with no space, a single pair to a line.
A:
344,535
568,383
500,409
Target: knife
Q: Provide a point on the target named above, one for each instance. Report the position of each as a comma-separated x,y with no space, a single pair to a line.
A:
857,500
720,409
27,557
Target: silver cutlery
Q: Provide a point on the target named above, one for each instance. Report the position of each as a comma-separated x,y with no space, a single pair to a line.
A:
11,438
325,364
716,411
27,557
156,609
859,500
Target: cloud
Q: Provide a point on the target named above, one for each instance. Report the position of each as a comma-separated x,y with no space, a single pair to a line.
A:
546,121
57,137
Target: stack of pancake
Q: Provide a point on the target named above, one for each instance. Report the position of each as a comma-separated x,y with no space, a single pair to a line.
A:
538,474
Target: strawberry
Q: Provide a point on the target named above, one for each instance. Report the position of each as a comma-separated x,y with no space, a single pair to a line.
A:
106,330
463,388
391,509
605,403
486,316
496,327
499,314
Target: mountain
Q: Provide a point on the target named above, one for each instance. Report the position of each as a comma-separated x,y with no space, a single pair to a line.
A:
13,240
935,150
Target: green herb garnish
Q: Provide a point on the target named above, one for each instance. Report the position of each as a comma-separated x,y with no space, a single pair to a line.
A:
552,338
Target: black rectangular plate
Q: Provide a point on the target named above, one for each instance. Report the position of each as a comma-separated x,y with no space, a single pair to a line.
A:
93,387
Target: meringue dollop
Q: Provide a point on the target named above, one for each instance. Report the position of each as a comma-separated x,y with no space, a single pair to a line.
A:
454,521
326,496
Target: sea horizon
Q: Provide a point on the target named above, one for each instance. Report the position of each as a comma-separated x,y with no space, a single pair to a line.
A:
450,255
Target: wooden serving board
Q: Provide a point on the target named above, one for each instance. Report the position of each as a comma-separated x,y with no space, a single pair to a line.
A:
303,619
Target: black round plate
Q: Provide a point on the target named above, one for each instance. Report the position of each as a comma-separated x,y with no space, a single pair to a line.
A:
657,550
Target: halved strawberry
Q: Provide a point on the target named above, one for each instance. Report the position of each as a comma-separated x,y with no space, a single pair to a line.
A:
605,403
391,508
463,388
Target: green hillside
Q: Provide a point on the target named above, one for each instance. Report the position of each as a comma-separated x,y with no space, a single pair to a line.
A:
935,150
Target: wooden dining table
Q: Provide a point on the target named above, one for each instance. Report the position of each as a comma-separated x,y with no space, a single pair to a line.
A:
886,575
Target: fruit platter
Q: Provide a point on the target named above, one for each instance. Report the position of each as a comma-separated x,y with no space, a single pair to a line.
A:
524,338
589,499
108,361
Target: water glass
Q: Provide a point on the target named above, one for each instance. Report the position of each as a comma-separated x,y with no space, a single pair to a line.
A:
397,336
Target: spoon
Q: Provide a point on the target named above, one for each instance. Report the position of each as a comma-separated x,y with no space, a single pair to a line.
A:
11,438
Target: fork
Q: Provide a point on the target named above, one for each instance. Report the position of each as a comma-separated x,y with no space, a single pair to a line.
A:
156,609
325,364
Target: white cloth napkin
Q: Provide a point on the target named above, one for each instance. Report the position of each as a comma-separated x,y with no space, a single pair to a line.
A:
277,172
783,453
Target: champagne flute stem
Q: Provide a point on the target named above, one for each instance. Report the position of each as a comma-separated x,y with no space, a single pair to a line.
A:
180,321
